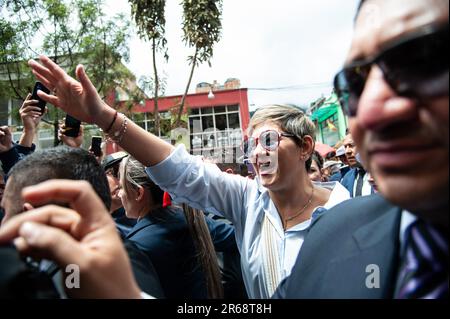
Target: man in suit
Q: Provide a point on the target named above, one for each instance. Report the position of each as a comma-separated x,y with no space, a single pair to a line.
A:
394,87
356,180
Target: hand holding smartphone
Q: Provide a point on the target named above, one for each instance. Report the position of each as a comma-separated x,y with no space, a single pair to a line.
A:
41,104
96,145
71,126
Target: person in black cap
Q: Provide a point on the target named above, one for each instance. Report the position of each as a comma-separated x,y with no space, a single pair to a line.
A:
111,164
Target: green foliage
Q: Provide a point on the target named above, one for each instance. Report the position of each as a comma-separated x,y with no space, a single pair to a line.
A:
151,22
147,84
202,27
71,32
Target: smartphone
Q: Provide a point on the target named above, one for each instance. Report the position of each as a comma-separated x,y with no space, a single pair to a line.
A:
41,104
96,145
72,126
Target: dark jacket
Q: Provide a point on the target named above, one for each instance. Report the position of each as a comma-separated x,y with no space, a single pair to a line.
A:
164,236
123,223
348,181
141,265
335,259
15,154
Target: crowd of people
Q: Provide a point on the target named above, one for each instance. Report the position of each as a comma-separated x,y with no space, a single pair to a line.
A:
157,222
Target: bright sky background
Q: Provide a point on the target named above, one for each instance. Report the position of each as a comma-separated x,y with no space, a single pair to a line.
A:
267,44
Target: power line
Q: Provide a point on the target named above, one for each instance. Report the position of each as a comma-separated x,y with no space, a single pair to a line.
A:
296,87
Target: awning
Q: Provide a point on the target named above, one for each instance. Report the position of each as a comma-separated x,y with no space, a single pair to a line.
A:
323,113
323,149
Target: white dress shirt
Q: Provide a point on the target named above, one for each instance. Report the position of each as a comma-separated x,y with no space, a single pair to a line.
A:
366,187
245,203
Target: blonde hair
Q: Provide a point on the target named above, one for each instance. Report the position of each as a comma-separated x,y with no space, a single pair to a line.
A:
135,175
289,118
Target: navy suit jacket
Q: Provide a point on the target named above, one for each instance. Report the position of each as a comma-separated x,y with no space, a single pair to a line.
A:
335,258
348,181
123,223
164,235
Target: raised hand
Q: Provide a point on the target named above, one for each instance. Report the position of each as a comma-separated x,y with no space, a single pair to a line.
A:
5,139
79,99
68,140
84,236
30,114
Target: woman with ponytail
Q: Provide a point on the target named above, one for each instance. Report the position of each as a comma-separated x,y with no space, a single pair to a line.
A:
181,249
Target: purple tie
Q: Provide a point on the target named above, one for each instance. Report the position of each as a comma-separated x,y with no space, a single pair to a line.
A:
424,270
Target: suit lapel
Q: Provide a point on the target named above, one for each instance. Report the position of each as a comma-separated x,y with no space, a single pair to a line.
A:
374,252
379,229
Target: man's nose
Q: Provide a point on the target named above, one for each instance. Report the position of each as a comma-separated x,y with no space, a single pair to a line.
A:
380,106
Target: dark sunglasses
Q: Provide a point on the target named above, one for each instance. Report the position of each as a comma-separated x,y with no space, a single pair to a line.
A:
269,140
416,67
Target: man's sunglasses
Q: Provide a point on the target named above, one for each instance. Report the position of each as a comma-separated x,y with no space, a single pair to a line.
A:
269,140
415,66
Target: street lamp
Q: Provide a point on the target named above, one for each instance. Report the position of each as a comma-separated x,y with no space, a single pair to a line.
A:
211,94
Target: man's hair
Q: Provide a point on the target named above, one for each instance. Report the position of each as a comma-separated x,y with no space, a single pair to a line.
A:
58,163
290,119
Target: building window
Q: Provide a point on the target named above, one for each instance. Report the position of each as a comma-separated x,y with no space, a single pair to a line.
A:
147,122
46,138
215,127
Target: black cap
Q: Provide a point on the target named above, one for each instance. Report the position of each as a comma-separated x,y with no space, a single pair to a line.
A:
112,159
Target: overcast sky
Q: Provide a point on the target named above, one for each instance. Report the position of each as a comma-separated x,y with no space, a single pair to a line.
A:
295,45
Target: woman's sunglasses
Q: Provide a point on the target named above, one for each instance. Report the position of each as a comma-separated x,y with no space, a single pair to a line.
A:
416,66
269,140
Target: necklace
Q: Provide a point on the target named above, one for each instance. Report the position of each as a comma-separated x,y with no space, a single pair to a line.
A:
301,211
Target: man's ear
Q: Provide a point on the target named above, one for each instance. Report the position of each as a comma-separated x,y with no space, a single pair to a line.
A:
27,207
